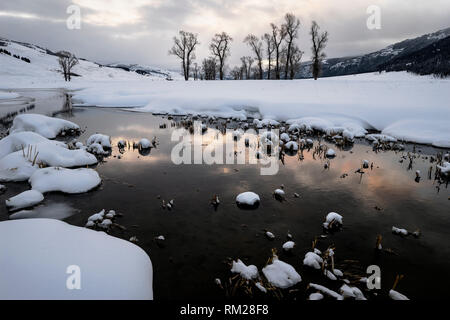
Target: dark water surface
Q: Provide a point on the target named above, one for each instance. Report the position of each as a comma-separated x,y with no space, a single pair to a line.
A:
199,238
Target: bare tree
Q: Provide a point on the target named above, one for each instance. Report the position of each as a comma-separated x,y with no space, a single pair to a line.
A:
184,48
220,48
209,68
278,35
291,25
295,61
318,45
67,61
195,71
237,73
257,46
270,48
247,62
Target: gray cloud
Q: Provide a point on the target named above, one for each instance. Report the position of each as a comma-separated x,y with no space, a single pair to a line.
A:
141,31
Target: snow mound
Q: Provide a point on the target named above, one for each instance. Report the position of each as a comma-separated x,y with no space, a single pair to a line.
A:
281,274
45,126
326,291
313,260
288,245
101,139
395,295
247,199
64,180
246,272
332,219
110,268
21,140
25,199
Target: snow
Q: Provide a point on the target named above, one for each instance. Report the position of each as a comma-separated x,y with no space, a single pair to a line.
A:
246,272
281,274
25,199
16,167
64,180
288,245
395,295
402,105
101,139
326,291
313,260
260,287
45,126
36,254
330,153
334,218
291,145
16,141
315,296
445,168
351,292
144,143
8,95
400,231
247,198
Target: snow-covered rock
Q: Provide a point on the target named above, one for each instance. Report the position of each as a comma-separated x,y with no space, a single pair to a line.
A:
246,272
395,295
64,180
43,261
288,245
96,148
21,140
47,127
97,217
315,296
144,143
25,199
326,291
248,199
330,153
313,260
101,139
285,137
351,292
333,219
399,231
291,146
281,274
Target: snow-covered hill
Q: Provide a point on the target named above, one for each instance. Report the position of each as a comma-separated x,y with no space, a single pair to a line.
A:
377,60
43,68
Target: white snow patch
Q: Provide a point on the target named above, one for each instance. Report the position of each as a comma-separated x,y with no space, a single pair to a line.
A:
99,256
64,180
333,218
281,274
246,272
395,295
327,291
25,199
45,126
247,198
313,260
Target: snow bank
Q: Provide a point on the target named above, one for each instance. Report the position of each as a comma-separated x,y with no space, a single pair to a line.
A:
64,180
281,274
25,199
37,253
45,126
246,272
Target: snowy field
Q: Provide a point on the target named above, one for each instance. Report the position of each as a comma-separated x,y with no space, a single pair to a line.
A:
405,106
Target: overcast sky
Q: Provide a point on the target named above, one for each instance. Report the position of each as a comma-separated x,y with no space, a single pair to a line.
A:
141,31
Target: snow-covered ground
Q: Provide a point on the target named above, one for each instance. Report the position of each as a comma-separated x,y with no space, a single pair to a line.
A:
405,106
41,259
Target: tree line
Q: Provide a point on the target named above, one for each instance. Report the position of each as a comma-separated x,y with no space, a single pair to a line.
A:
275,55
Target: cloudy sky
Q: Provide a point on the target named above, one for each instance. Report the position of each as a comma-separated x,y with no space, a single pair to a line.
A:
141,31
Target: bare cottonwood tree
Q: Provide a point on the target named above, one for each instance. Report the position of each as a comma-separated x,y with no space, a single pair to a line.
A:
270,48
291,25
247,62
257,46
278,35
184,48
67,61
209,68
195,71
295,61
318,45
220,48
237,73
